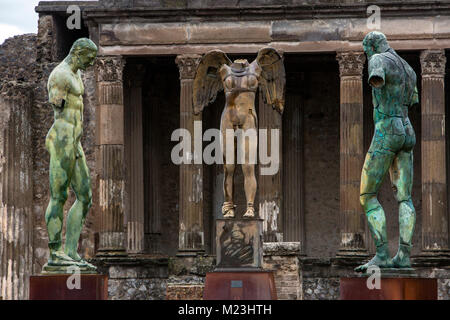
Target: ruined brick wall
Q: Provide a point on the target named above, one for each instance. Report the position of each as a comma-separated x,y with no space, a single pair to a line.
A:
17,58
283,258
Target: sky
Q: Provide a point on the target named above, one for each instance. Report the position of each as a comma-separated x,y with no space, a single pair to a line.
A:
17,17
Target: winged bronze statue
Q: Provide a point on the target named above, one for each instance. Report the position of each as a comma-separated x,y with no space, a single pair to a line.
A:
240,80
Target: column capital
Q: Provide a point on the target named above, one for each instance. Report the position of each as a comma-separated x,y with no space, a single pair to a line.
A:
187,64
433,62
351,63
110,68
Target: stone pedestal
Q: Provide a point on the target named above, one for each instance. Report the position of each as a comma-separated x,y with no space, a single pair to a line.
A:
58,287
239,243
239,274
400,286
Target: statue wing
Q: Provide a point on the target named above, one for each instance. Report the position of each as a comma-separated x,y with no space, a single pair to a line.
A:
272,80
207,81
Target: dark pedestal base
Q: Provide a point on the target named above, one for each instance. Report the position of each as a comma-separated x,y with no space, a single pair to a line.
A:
54,287
391,288
243,285
239,243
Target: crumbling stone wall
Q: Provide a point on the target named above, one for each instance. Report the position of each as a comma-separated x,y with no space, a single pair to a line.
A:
282,257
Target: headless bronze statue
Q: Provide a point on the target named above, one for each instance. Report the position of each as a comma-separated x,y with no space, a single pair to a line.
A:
240,80
394,91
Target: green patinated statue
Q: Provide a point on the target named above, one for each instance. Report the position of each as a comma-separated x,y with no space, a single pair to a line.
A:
394,90
67,160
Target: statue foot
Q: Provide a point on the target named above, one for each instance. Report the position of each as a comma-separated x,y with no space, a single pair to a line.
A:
401,259
378,260
229,214
381,259
401,262
250,213
75,256
228,210
59,258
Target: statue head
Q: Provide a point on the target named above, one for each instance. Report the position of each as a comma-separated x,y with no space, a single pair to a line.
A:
83,53
375,42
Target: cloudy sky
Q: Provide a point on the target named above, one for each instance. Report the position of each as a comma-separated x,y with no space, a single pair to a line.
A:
17,17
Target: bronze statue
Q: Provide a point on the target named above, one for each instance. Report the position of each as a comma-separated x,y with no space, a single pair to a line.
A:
240,81
394,90
67,160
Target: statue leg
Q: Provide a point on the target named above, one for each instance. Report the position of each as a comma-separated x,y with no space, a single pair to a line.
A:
249,147
376,165
81,185
401,174
228,171
62,161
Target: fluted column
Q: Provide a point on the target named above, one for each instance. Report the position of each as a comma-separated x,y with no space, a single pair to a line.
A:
135,159
16,194
270,186
110,161
191,233
293,210
352,220
434,186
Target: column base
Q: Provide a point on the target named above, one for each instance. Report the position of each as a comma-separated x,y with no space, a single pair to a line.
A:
55,287
438,258
190,253
351,257
104,253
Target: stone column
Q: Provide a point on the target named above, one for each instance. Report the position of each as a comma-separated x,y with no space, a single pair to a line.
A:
270,186
352,219
434,185
191,233
16,191
293,210
135,159
110,155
